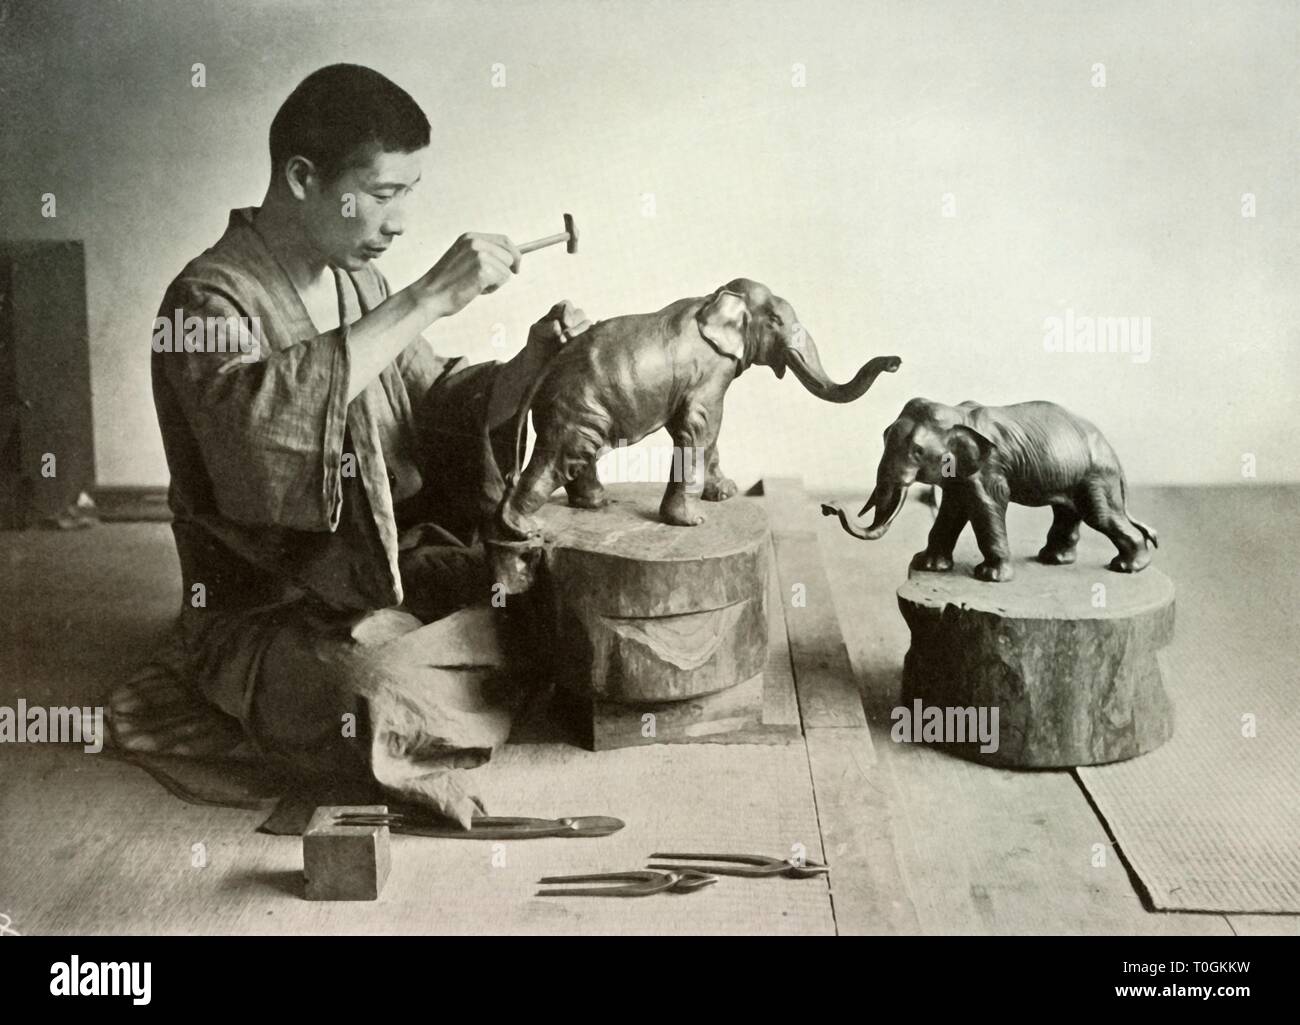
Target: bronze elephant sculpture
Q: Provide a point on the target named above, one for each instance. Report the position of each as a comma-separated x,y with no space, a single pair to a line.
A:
626,377
984,457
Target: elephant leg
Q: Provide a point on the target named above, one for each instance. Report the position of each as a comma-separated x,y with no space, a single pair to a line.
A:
677,507
1062,537
1107,515
536,485
717,486
988,515
947,527
585,491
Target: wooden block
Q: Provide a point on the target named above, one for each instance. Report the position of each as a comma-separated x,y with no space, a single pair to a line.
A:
1072,671
616,724
823,676
345,862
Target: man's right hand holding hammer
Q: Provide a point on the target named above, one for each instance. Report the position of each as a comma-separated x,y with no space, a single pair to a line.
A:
475,265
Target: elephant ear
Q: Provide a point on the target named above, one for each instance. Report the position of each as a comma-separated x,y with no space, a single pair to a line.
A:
722,323
969,450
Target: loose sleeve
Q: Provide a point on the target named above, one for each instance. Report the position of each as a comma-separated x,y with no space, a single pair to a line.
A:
462,460
270,430
449,397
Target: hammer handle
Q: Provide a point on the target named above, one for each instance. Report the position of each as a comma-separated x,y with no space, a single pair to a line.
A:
542,243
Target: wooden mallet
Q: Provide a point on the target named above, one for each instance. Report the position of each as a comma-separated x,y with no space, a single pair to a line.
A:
568,235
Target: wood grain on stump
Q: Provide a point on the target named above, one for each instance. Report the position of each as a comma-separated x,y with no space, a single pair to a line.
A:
1071,668
650,612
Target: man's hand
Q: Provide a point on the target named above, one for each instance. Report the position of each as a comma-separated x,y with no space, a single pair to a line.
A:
564,322
474,265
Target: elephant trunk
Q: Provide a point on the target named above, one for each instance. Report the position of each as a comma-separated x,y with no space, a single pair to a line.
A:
807,366
888,502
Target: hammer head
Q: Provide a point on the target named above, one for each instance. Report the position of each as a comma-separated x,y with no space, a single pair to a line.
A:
572,245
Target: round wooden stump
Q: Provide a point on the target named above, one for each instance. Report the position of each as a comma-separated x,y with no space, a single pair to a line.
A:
649,612
1066,654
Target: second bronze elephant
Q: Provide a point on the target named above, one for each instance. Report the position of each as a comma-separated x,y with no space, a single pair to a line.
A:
626,377
985,457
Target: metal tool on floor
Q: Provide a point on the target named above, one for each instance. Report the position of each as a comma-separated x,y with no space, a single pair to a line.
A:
486,827
752,865
629,884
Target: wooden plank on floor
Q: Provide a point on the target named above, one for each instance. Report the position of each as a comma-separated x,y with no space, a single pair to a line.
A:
868,893
994,851
780,705
788,510
828,694
868,890
1265,925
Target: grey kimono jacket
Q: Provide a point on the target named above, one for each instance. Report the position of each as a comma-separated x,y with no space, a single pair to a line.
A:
292,506
279,486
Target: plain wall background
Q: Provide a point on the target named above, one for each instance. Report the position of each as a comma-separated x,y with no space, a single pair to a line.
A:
1117,201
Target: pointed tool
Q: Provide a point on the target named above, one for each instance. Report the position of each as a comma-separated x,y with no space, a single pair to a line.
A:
754,865
628,884
487,827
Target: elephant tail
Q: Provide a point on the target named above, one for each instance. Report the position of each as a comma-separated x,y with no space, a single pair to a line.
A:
1147,532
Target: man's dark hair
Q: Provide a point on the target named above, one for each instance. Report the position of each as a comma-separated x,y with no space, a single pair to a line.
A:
339,109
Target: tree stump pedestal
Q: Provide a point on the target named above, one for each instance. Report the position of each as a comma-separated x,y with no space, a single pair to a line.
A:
661,631
1066,654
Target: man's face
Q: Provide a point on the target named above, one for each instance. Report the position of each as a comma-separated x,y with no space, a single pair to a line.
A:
354,218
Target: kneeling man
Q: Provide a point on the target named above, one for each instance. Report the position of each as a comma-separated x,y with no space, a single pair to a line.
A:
327,480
